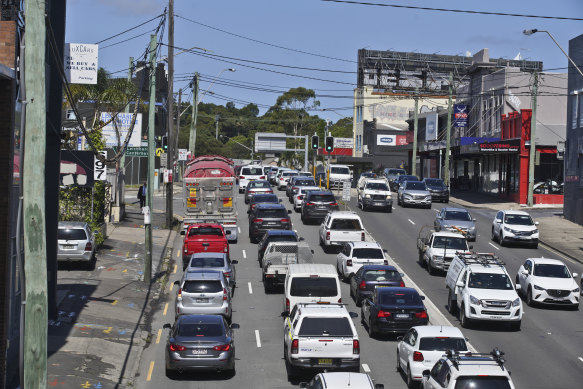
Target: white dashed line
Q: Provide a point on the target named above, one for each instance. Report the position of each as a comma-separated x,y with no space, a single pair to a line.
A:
257,338
581,359
250,288
244,254
493,245
411,221
365,368
239,229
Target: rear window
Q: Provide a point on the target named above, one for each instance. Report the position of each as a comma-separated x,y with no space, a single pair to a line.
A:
200,329
252,171
482,382
265,199
305,182
442,344
339,170
205,231
207,262
368,253
326,326
272,213
346,224
322,198
71,234
202,286
376,186
313,287
259,184
400,299
397,171
381,275
289,174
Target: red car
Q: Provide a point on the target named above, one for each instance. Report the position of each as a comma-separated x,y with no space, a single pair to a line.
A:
203,237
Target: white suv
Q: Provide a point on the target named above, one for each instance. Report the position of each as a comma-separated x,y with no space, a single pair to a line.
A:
354,255
514,226
249,173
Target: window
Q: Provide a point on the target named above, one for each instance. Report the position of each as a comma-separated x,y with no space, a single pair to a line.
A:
442,344
205,231
252,171
490,281
482,382
551,270
207,262
377,186
519,220
322,198
313,287
71,234
392,298
448,242
574,111
339,170
210,286
272,213
327,326
368,253
346,224
200,329
382,275
458,215
416,185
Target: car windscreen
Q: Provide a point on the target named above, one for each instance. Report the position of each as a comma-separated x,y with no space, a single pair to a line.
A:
369,253
449,242
252,171
408,178
433,182
289,174
207,262
442,343
458,215
271,213
551,270
368,175
521,220
393,298
376,186
313,287
325,326
322,198
303,191
71,234
490,281
416,185
200,329
346,224
381,275
259,184
304,182
397,171
265,199
202,286
339,170
482,382
214,231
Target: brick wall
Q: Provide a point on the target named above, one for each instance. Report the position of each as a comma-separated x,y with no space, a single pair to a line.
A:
7,43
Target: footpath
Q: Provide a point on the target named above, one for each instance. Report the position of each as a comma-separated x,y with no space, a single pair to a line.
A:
103,322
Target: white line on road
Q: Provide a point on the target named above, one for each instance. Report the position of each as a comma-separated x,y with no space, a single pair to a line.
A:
250,288
581,359
411,221
244,254
493,245
365,368
257,338
239,229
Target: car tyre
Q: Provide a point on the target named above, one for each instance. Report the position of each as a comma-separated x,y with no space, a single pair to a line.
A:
430,269
464,321
529,300
501,240
410,382
398,362
451,306
370,329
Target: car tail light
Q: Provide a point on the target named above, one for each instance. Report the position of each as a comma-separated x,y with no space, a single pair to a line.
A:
402,284
226,249
269,191
340,300
299,197
421,315
327,235
88,246
281,178
284,220
334,204
362,285
258,220
349,262
295,188
222,347
176,347
262,178
362,236
287,305
384,314
386,262
252,206
355,346
295,346
227,274
417,356
241,177
179,295
309,203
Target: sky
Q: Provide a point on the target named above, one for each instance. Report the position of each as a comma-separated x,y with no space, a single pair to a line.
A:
312,34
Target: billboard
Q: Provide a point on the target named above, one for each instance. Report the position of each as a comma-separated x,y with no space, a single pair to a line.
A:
343,143
81,63
123,122
391,140
431,127
269,142
460,118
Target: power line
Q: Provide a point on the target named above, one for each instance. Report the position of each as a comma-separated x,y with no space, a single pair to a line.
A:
129,29
453,10
128,39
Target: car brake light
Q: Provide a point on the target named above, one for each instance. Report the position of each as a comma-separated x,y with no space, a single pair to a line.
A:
225,294
402,284
355,346
258,220
362,285
340,300
349,262
334,204
281,178
327,235
262,178
308,203
417,356
88,246
384,314
284,220
226,249
287,305
241,177
421,315
294,346
269,191
294,188
179,296
299,197
176,347
222,347
227,274
362,236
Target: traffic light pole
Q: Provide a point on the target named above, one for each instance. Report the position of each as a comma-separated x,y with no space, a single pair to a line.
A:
306,153
170,102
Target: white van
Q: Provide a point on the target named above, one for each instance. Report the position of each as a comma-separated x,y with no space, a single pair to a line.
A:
311,283
250,173
339,173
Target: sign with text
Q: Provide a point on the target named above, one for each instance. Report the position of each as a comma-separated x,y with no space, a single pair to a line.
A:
81,63
99,168
460,112
498,148
134,151
391,140
431,127
343,143
163,159
182,154
123,121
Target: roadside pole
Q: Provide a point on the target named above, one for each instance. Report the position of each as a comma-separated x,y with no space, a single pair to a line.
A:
171,151
448,133
532,154
306,153
192,139
35,251
177,133
151,162
122,160
415,131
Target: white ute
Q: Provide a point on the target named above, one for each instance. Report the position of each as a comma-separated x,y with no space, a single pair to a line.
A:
340,227
374,193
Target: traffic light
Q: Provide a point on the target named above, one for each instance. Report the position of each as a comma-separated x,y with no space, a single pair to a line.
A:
165,143
315,142
329,144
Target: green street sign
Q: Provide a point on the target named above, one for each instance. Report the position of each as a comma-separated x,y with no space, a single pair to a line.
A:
134,151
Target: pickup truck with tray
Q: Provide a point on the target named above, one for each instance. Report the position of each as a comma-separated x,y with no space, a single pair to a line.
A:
437,248
278,256
340,227
204,237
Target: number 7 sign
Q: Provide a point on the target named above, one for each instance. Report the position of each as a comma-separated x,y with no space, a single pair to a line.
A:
99,168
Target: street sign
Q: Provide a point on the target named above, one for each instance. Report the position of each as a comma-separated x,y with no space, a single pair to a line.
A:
182,154
163,160
134,151
99,173
159,151
346,190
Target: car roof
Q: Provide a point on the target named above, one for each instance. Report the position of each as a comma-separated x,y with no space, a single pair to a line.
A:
270,206
260,195
281,232
320,192
449,234
513,212
345,214
72,224
244,166
380,180
446,331
359,245
203,275
478,365
199,225
447,209
209,254
397,289
310,188
192,319
311,268
378,267
549,261
323,310
479,268
346,380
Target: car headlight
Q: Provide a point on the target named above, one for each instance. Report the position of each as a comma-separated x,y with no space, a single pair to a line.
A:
516,302
437,258
446,226
510,230
406,195
474,300
367,196
535,231
388,197
538,287
472,228
576,290
428,197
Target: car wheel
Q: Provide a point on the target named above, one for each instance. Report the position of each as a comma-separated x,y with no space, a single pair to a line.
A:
464,321
410,382
371,332
430,269
451,306
529,300
501,239
398,361
493,235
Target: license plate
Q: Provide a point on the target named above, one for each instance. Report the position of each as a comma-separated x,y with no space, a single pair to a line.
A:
496,317
326,361
271,223
383,286
68,246
402,316
378,203
199,351
202,300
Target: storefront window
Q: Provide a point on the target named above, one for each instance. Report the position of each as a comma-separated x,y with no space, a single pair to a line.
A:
548,175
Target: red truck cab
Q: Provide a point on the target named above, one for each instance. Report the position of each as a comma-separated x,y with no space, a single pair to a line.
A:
203,237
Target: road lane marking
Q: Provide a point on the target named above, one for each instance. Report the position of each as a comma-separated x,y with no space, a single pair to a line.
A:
493,245
257,338
244,254
239,229
175,268
411,221
250,288
177,253
150,370
159,336
171,286
581,359
114,302
365,368
165,309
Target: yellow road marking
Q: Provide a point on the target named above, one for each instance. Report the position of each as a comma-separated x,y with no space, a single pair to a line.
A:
114,302
171,286
165,309
150,370
124,271
177,254
159,335
175,268
127,254
108,330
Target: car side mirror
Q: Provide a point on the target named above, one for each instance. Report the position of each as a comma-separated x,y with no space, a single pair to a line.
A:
470,247
575,275
385,251
524,272
422,297
284,314
313,253
176,282
301,239
399,338
518,287
536,223
234,262
234,326
167,325
426,374
248,212
353,315
459,284
498,220
182,232
473,219
280,200
402,275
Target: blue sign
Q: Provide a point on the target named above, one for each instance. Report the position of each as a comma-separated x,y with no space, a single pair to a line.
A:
460,112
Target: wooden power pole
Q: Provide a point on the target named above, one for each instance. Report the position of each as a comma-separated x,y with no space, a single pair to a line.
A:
532,151
151,162
33,185
415,132
192,140
171,151
448,132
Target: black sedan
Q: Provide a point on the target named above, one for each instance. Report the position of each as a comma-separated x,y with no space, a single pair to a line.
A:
402,178
263,198
437,188
393,311
369,277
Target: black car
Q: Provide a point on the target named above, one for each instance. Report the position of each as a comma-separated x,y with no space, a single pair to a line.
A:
263,198
369,277
275,236
393,310
295,183
317,204
265,217
402,178
439,191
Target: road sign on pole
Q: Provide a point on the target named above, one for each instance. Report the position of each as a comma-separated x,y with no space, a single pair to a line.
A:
346,190
163,159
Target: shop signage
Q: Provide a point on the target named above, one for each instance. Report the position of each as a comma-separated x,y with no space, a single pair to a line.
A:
343,143
498,148
391,140
431,127
460,115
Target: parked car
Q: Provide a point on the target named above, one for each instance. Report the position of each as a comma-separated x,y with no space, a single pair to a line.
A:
456,220
317,205
548,281
369,277
354,255
215,261
275,236
76,243
393,310
341,380
515,226
298,198
249,173
257,187
203,292
439,191
413,193
201,238
200,342
265,217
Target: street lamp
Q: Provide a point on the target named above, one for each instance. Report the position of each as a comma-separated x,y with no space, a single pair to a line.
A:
534,30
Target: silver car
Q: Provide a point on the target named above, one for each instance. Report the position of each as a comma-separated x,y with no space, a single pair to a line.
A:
456,220
214,261
257,187
203,292
200,342
414,193
298,197
76,242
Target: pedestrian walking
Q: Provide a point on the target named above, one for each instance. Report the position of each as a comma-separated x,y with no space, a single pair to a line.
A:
142,195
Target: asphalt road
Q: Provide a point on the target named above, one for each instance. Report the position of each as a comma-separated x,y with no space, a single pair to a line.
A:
547,352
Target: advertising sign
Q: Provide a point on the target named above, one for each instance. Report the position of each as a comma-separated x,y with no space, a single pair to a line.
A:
123,122
343,143
81,63
460,112
391,140
499,147
431,127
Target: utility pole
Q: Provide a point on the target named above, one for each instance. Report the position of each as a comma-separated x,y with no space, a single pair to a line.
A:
148,214
327,159
217,117
121,165
33,186
177,133
532,154
192,139
415,131
448,132
170,156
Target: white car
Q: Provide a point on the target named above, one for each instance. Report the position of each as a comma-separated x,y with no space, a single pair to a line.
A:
299,196
548,281
284,178
354,255
422,346
341,380
514,226
250,173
